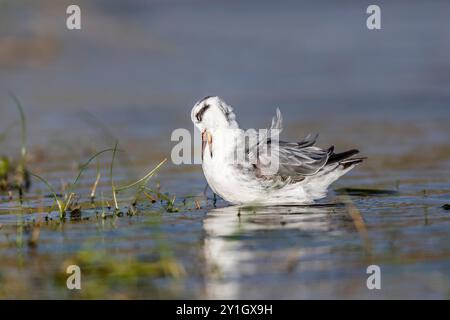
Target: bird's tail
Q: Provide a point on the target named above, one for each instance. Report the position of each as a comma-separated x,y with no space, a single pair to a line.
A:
337,157
338,164
348,162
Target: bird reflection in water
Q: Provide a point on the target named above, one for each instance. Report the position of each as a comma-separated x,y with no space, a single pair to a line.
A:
251,251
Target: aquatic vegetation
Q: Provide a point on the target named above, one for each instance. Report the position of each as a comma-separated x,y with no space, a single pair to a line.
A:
95,185
67,200
15,175
113,188
141,183
85,166
4,169
166,200
101,263
64,202
141,188
61,206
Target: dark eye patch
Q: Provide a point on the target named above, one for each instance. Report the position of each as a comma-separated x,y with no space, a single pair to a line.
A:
199,114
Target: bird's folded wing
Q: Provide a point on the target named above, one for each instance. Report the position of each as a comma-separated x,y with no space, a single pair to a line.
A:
293,159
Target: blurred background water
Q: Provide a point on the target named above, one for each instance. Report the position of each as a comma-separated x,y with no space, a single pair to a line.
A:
133,73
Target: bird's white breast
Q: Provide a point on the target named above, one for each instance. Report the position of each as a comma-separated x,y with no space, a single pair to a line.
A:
223,175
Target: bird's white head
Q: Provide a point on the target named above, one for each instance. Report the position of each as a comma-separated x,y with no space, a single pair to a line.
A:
212,113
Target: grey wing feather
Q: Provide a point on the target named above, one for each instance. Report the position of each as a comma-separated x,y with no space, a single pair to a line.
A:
300,158
294,158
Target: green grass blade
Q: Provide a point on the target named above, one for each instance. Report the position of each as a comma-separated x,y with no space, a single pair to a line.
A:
49,186
84,166
23,123
143,181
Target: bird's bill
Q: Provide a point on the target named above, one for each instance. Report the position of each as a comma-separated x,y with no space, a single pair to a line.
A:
206,139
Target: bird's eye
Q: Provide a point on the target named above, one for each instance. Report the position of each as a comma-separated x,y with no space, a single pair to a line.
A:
199,114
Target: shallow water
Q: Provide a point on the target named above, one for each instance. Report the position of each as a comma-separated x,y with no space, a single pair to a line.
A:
133,74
